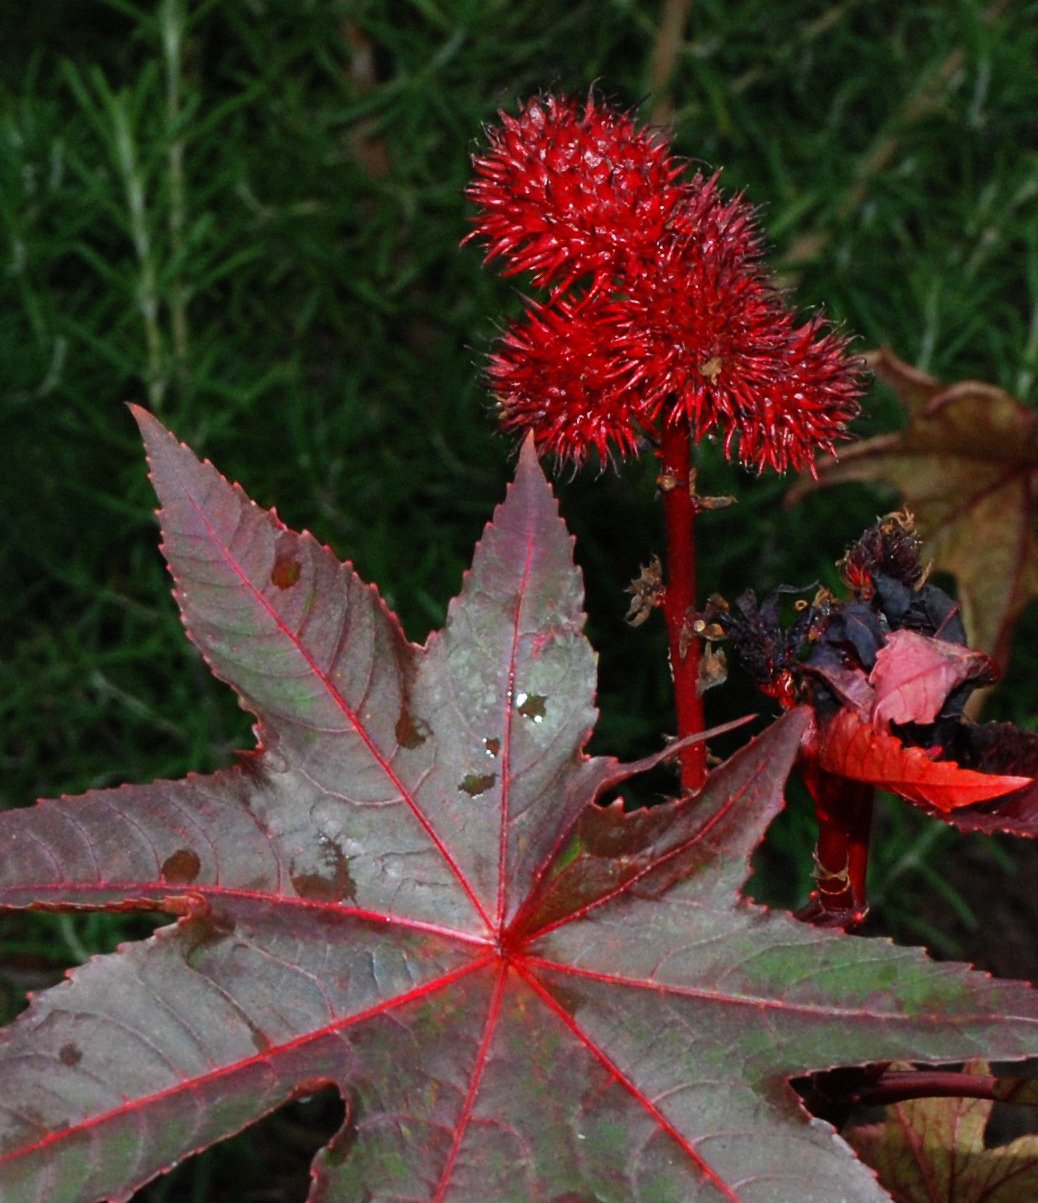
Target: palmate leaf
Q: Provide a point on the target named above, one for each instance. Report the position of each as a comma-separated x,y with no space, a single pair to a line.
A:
404,893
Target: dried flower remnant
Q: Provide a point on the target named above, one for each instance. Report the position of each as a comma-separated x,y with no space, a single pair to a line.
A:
660,314
647,592
887,674
965,464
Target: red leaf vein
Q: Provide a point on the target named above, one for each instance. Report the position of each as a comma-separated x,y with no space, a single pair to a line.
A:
198,1081
638,1095
460,1128
349,713
506,749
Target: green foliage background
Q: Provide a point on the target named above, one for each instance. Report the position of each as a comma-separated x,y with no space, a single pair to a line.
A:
245,214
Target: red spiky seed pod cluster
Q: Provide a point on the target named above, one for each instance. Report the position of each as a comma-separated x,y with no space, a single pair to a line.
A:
564,196
660,310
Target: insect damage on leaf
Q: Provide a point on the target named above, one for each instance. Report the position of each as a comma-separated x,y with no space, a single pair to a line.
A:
522,997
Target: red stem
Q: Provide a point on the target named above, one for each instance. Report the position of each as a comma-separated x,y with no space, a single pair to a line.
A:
899,1086
844,810
679,598
832,1094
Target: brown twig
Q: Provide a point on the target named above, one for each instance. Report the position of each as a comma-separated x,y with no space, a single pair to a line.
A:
670,36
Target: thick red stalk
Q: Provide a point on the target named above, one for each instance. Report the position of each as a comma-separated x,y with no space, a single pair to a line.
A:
844,810
679,597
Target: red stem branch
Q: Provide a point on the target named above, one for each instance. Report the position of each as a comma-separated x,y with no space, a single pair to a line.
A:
832,1094
899,1086
679,598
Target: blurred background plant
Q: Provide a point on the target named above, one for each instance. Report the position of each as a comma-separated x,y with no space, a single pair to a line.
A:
245,215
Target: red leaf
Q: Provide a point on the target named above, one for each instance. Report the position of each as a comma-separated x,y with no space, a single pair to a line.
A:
1015,813
1002,748
914,674
405,892
851,747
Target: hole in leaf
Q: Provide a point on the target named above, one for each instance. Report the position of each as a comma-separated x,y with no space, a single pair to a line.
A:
267,1163
477,783
182,867
531,706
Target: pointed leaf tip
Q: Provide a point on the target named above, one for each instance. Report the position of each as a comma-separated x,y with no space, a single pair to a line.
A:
362,902
146,421
528,451
157,437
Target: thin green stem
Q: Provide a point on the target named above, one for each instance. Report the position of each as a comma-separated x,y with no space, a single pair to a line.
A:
679,598
137,211
172,27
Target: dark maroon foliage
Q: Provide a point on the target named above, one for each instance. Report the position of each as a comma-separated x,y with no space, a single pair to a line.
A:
407,892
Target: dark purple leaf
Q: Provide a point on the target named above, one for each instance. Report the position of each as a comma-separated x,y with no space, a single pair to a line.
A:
406,892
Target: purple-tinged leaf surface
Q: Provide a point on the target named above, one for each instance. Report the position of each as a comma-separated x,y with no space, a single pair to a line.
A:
405,892
915,673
